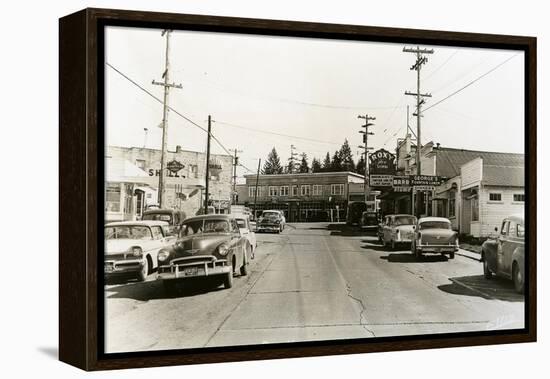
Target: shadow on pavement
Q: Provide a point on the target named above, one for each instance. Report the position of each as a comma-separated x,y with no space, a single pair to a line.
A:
373,246
478,286
410,258
154,290
344,230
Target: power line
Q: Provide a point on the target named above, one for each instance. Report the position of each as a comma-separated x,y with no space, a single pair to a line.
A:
472,82
441,66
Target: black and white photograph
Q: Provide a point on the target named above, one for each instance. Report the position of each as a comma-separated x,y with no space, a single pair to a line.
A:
268,189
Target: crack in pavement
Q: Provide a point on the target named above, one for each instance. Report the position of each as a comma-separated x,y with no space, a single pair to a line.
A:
363,309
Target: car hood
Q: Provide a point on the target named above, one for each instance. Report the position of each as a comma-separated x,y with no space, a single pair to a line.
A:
118,246
201,244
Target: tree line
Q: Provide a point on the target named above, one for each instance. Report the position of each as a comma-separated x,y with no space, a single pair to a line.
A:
340,160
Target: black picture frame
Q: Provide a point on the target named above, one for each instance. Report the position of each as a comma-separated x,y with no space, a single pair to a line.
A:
81,74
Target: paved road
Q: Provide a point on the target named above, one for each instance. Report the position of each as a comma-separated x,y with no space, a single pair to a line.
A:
314,282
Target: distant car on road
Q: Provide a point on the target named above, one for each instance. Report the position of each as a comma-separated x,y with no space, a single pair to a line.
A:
505,255
207,246
173,217
434,235
369,220
131,247
271,220
397,230
246,230
355,211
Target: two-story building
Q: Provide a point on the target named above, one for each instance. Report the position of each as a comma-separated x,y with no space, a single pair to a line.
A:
132,181
306,197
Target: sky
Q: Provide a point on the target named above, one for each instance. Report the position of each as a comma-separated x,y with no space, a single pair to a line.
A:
264,92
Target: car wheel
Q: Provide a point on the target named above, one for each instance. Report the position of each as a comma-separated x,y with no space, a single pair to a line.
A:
244,268
486,272
392,245
452,255
418,254
228,280
518,278
142,274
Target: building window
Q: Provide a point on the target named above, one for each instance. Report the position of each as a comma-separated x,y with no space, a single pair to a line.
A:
140,163
519,197
475,208
252,191
272,191
112,199
336,189
284,190
294,190
193,171
305,190
452,204
493,196
317,190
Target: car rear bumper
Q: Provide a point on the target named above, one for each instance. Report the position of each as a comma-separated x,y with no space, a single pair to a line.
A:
113,267
269,228
438,248
183,269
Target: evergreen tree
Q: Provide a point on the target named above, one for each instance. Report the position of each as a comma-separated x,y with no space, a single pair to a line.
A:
304,166
327,164
273,164
360,169
346,157
316,165
336,164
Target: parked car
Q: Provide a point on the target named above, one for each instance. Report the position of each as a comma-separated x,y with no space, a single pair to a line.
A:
207,246
434,235
246,230
272,221
173,217
131,247
505,255
397,230
369,220
355,211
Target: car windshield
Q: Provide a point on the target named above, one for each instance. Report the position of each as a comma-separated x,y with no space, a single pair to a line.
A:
242,223
158,217
205,226
435,225
404,220
134,232
270,214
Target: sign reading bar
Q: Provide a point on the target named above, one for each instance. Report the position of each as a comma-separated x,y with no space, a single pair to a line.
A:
381,180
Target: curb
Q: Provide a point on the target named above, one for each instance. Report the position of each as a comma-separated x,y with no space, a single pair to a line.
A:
469,254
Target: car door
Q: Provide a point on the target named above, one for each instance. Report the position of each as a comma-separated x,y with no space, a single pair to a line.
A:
501,240
236,243
509,244
251,234
387,229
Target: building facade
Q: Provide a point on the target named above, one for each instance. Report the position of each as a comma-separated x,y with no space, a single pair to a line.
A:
129,192
307,197
480,187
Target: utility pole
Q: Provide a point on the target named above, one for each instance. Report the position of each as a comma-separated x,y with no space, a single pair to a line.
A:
365,146
167,85
417,66
256,189
292,164
145,131
206,195
235,163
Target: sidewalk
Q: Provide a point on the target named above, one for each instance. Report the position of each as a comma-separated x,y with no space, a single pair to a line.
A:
470,251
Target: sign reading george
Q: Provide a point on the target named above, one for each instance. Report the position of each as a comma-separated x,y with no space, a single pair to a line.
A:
426,180
382,162
381,180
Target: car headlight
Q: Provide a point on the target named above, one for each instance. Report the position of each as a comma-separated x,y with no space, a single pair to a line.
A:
223,249
163,255
137,252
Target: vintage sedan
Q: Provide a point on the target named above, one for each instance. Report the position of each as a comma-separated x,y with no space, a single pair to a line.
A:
369,220
243,220
173,217
397,230
131,247
271,221
207,246
434,235
505,255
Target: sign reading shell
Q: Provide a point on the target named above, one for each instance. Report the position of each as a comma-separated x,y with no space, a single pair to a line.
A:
174,166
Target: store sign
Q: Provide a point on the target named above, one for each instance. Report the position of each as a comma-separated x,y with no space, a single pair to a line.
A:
424,188
401,181
174,166
382,162
426,180
381,180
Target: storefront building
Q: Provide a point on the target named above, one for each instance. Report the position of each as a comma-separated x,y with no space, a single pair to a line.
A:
184,179
308,197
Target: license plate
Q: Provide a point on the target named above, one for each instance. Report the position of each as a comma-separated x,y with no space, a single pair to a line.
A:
190,271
